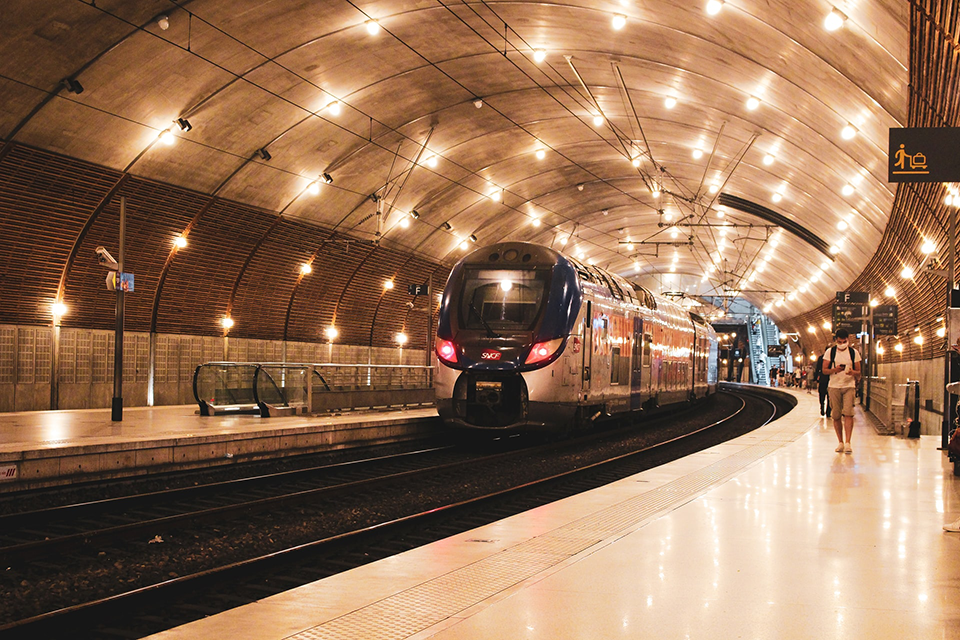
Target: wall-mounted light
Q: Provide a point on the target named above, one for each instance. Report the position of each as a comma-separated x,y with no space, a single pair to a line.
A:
72,85
163,22
619,22
834,19
401,339
226,322
305,268
387,285
180,242
264,154
714,7
58,310
331,332
478,103
184,124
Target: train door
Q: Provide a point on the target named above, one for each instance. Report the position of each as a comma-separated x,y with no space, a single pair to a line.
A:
587,346
647,371
636,365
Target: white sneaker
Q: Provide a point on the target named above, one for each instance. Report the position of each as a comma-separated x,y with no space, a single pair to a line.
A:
953,526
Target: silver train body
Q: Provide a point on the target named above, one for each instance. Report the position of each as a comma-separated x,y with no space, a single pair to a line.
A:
532,340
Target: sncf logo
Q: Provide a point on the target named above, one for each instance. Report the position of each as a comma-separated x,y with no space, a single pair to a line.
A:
490,354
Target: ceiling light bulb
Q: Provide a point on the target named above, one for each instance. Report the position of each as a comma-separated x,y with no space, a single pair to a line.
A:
539,55
834,20
848,132
635,162
541,154
163,22
777,197
928,247
713,188
598,121
404,222
432,161
334,108
58,309
753,102
847,189
535,222
331,332
401,339
495,196
619,21
464,245
697,154
563,241
180,242
226,322
918,339
670,102
842,225
721,213
373,27
388,284
668,216
478,103
314,188
630,246
655,193
873,302
948,200
305,268
889,292
941,332
769,159
898,347
834,249
166,137
714,6
906,273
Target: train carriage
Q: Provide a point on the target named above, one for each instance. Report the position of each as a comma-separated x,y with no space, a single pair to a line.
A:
532,340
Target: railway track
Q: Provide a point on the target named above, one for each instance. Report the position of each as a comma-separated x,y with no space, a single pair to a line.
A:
368,538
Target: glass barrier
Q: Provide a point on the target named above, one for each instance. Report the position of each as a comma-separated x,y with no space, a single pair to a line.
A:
277,388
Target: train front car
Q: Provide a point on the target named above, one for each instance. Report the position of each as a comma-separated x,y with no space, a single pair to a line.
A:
505,320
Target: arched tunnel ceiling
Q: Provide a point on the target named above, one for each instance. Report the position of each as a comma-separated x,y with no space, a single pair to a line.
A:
250,75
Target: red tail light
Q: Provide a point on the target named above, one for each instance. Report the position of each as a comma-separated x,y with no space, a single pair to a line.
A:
543,351
446,350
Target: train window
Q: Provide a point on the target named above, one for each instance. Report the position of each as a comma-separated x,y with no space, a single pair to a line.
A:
615,365
502,299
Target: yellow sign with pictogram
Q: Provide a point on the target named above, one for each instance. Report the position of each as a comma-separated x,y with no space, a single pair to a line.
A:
924,154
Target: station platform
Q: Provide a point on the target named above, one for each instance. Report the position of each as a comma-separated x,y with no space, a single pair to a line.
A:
50,448
770,535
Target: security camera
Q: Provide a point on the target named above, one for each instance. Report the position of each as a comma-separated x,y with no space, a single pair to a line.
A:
104,259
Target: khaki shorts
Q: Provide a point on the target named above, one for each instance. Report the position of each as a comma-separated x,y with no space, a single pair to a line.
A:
842,401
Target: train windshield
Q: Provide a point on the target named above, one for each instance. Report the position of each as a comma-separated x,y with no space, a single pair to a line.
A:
502,299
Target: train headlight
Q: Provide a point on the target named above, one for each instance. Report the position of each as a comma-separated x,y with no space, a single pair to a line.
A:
543,351
446,350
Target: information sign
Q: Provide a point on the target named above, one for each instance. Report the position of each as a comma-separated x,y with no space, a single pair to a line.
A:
848,316
853,297
775,350
418,289
122,281
924,154
885,318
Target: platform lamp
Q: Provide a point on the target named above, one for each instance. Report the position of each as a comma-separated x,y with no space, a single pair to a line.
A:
57,311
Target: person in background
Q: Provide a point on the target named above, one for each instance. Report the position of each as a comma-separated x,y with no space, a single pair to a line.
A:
774,376
842,363
823,381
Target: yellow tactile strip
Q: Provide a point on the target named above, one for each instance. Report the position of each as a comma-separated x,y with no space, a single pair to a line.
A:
417,608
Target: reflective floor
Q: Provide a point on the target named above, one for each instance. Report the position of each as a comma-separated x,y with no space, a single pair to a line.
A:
772,535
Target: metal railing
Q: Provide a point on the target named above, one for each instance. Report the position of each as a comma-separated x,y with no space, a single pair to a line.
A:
284,388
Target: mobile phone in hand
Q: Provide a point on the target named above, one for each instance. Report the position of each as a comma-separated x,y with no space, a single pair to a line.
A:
841,366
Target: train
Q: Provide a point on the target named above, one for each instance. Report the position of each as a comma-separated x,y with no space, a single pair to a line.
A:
531,340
